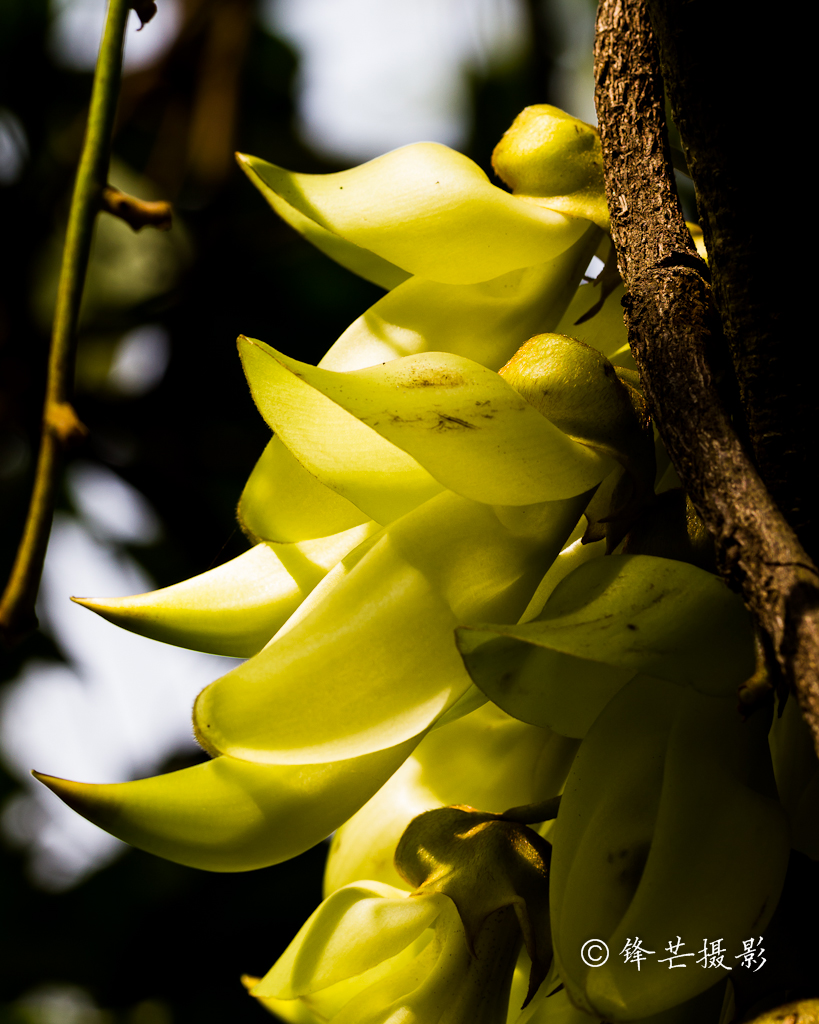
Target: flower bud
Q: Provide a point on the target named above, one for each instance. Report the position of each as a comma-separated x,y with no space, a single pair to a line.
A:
550,154
483,863
576,387
371,954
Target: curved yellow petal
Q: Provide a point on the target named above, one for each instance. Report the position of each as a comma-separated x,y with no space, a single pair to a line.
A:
361,261
609,619
352,931
713,810
236,608
578,390
333,445
570,558
283,502
295,1011
797,776
613,791
486,322
668,814
231,815
369,659
463,423
364,846
542,687
322,1006
430,211
549,1008
529,765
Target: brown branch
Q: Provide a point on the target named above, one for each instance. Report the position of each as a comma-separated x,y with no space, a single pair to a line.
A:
674,331
139,213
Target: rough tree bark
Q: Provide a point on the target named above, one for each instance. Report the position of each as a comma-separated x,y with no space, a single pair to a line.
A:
676,329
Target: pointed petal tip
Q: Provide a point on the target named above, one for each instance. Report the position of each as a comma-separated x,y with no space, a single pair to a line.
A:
45,779
65,789
243,340
95,603
96,802
245,162
117,610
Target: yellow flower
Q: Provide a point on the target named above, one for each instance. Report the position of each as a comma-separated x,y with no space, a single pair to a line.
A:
417,518
396,500
443,954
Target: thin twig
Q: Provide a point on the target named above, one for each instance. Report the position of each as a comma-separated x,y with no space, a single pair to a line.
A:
138,213
673,328
60,422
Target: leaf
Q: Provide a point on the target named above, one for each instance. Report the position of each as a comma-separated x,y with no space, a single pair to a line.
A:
430,211
463,424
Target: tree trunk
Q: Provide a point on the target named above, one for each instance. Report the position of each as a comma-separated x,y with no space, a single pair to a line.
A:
737,437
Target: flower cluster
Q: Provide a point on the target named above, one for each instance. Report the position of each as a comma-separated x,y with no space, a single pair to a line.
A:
465,591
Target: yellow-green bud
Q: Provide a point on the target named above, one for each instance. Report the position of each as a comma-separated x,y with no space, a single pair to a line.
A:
578,389
550,154
581,392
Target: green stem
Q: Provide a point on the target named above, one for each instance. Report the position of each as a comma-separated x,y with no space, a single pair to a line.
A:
60,422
